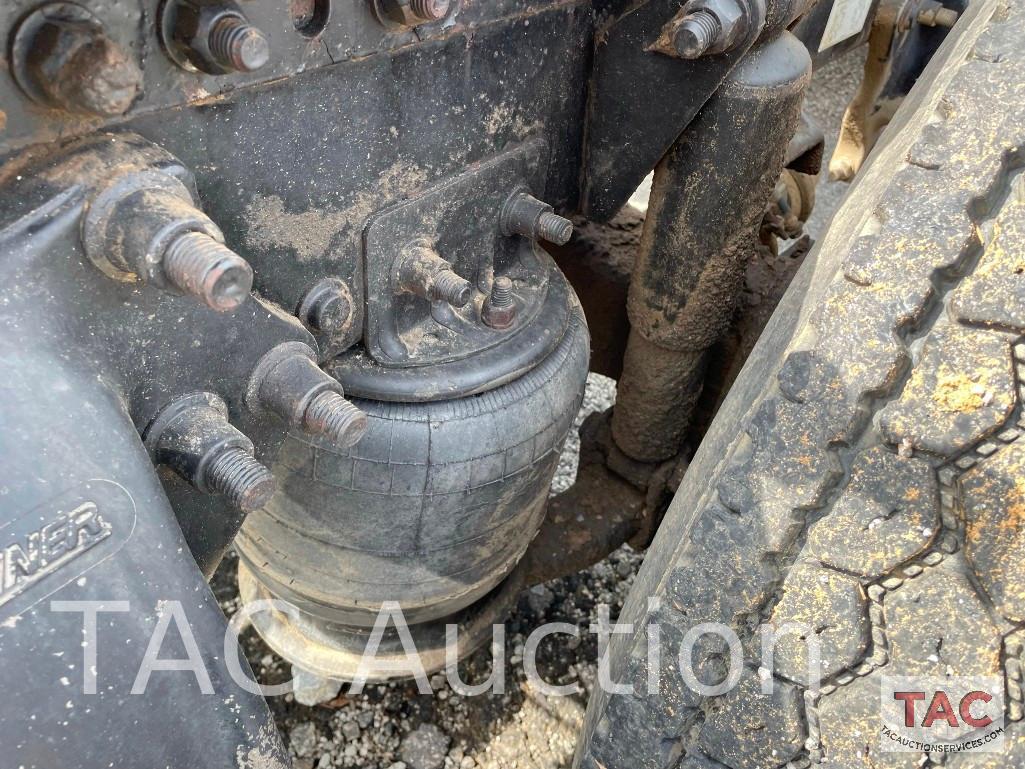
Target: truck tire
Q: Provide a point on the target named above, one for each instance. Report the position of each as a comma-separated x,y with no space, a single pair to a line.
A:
865,477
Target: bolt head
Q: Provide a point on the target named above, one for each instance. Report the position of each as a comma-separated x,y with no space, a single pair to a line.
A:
331,313
62,57
99,79
327,307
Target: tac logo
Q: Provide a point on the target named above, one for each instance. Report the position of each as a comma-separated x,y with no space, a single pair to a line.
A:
942,715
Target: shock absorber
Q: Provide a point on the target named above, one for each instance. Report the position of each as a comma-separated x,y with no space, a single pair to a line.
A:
690,266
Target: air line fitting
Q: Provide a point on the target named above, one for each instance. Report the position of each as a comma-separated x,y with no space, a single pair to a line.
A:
193,437
288,383
145,226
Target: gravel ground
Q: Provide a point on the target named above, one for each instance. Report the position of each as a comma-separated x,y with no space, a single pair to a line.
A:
395,727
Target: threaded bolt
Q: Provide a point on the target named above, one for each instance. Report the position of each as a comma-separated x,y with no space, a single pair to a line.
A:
429,10
200,266
422,271
330,415
501,292
238,45
554,228
696,33
246,483
934,14
450,287
499,309
525,215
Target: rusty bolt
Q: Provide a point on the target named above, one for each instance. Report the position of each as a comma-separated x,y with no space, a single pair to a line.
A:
327,306
523,214
246,483
450,288
212,37
934,14
410,13
63,58
145,226
200,266
499,309
422,271
429,10
696,33
554,228
705,27
288,383
330,415
193,437
238,45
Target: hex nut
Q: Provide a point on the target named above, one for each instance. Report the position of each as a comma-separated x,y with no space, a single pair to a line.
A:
288,383
145,226
704,27
193,437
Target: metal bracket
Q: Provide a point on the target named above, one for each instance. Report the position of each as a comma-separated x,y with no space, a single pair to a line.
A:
460,219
